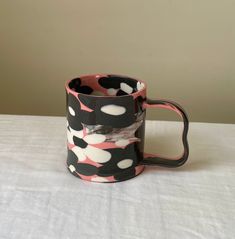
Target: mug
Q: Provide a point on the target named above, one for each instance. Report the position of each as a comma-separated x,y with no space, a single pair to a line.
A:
105,128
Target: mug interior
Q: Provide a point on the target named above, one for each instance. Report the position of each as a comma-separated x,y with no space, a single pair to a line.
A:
106,85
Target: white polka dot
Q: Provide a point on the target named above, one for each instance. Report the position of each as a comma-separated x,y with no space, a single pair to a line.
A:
122,142
113,109
79,153
112,91
94,138
140,85
71,111
126,88
99,179
72,168
126,163
97,155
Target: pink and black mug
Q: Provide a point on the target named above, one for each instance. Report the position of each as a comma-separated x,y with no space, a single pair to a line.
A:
105,128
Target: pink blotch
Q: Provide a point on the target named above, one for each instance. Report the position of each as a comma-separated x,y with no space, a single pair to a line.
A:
84,132
89,161
84,107
112,145
105,145
139,93
147,155
89,178
111,179
163,106
139,169
70,146
84,177
70,91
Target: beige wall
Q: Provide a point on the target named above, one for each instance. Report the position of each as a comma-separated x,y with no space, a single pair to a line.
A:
183,49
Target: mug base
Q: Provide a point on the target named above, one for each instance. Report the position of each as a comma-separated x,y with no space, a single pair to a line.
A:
128,174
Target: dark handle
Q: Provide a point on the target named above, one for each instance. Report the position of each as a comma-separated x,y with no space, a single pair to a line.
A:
150,159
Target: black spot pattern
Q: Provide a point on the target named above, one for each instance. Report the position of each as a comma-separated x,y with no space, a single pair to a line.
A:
114,81
72,158
82,168
110,82
86,169
87,112
75,84
79,142
81,116
111,167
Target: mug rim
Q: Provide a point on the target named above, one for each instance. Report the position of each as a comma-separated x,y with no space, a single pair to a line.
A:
69,90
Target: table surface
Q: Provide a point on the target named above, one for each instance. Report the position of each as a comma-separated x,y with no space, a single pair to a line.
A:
39,198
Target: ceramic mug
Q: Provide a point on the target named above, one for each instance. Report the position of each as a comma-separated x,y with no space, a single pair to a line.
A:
105,128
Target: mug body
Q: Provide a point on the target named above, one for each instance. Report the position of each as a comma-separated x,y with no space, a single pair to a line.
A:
105,127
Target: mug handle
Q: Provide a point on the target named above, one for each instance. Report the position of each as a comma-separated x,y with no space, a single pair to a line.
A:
152,159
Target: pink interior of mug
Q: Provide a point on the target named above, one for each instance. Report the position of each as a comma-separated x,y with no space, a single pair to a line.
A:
106,85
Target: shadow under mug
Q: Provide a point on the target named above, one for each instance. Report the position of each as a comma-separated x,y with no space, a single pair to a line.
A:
105,128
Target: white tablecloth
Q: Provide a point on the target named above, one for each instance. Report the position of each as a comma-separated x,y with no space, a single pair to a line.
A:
39,198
